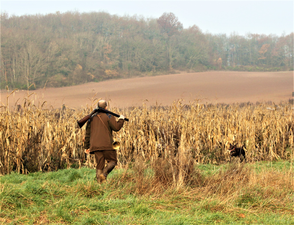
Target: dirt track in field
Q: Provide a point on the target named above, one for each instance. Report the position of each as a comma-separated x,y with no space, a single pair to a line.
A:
207,87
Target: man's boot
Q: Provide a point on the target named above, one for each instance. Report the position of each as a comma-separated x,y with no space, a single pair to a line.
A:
102,178
110,166
98,174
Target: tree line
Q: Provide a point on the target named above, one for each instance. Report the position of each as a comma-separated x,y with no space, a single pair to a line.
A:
71,48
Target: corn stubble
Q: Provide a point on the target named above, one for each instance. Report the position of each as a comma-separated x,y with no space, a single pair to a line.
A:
171,139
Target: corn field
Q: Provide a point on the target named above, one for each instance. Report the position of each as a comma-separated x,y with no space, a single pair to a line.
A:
34,138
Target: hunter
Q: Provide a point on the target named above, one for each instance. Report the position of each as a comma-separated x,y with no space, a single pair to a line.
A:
99,140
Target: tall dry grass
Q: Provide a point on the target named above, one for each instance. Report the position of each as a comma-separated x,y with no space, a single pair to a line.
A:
34,138
233,188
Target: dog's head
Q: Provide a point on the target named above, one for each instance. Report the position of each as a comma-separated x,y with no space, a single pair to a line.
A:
236,151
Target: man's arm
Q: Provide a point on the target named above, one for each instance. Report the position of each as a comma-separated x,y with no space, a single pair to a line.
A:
116,125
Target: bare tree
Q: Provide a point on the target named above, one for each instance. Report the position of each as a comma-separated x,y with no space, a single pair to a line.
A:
170,26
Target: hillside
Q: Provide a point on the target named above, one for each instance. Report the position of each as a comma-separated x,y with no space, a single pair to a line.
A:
207,87
68,49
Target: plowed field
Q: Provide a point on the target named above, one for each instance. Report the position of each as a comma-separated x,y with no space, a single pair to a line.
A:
207,87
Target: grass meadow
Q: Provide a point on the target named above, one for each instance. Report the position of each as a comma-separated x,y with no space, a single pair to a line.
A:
174,166
255,193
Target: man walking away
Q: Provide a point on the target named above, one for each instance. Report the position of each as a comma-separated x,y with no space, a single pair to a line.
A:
99,140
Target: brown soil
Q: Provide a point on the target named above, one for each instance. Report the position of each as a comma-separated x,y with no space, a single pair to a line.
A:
206,87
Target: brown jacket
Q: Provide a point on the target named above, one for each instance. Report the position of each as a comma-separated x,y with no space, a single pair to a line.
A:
99,134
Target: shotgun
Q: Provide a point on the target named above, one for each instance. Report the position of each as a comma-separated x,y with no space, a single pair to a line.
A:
82,121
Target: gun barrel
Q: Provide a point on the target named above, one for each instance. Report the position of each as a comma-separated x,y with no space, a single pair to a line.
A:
112,113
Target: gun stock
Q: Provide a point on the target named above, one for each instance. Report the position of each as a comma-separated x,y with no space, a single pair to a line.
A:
82,121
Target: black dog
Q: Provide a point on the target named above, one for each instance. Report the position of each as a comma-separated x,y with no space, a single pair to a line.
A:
237,152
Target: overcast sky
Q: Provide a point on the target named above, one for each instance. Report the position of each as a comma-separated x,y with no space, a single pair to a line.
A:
241,17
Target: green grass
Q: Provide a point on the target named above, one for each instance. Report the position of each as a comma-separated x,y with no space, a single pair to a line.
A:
72,196
209,169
